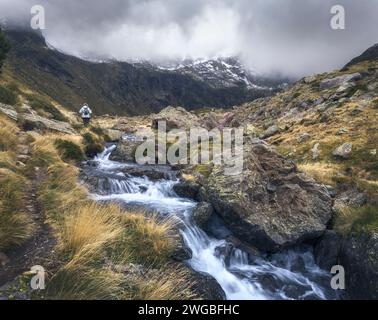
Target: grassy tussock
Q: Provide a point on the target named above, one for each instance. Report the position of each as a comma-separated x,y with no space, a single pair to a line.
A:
146,240
170,283
15,225
89,228
322,172
8,160
8,135
75,282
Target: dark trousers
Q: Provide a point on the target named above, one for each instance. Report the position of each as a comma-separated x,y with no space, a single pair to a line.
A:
86,121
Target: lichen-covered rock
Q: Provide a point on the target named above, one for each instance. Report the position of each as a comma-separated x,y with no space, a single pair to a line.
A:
340,80
269,205
343,151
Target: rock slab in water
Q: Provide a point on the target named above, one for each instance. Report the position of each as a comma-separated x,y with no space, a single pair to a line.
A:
202,214
269,205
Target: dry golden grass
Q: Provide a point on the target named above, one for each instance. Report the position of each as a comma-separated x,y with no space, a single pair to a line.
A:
15,225
76,282
147,240
321,172
8,135
8,160
168,283
90,227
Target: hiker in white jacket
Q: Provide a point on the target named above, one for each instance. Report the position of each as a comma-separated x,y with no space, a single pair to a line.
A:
86,114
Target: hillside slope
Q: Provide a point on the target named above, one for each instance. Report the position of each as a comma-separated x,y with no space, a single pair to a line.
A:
112,88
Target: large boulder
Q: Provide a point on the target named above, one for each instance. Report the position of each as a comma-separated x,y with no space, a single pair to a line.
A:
358,254
359,257
270,205
175,118
125,151
202,214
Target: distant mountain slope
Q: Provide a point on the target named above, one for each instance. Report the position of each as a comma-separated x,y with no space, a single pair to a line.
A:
226,72
114,87
368,55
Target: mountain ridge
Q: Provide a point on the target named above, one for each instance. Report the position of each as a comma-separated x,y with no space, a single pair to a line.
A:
116,87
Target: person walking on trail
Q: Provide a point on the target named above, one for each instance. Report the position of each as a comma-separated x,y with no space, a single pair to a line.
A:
86,114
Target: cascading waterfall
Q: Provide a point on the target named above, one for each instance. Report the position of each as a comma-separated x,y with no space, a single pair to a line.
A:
287,275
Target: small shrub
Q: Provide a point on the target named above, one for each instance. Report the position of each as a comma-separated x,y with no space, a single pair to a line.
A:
69,150
296,95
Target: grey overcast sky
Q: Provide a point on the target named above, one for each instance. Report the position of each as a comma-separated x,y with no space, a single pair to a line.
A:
292,37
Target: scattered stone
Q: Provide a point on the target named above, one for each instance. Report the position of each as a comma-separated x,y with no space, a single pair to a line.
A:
343,151
304,137
271,131
373,152
341,132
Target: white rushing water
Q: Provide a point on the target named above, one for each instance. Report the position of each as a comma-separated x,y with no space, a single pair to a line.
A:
287,275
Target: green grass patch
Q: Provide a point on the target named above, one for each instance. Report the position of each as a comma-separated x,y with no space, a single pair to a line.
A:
8,95
358,221
69,151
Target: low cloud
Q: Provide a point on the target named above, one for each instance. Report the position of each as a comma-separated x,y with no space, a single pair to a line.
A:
292,37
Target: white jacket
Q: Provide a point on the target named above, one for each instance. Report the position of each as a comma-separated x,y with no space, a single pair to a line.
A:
85,112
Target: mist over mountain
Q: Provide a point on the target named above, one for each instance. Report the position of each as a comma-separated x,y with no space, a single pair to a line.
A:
114,87
289,37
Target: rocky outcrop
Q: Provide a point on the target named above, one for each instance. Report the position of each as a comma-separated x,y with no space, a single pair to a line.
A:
9,111
339,81
270,204
175,118
36,122
32,121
